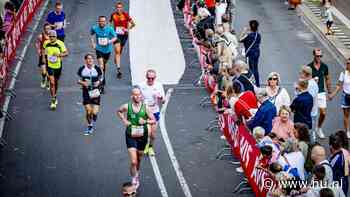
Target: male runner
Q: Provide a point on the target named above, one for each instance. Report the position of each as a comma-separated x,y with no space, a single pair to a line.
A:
90,79
122,23
57,20
136,117
42,37
102,38
55,50
153,94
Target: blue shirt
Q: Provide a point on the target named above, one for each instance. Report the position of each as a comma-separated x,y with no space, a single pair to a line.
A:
302,107
102,35
57,20
263,117
254,49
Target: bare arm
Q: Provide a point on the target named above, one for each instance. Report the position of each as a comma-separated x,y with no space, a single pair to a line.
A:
131,24
38,44
121,114
92,41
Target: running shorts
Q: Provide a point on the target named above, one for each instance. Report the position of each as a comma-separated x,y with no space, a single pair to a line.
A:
121,39
105,56
90,101
56,72
156,116
138,143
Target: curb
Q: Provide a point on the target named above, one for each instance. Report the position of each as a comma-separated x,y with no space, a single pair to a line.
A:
333,45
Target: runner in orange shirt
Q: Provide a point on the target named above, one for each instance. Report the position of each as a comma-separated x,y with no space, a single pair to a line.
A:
122,23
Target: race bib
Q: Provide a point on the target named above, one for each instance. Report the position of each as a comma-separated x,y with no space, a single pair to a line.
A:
59,25
52,58
102,41
95,93
119,30
137,131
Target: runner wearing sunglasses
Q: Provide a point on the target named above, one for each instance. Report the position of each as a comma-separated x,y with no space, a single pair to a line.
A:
153,95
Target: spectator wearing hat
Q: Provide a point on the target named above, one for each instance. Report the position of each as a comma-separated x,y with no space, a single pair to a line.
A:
265,114
302,104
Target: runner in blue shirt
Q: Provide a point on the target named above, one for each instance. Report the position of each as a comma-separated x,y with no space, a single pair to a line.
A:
57,20
102,38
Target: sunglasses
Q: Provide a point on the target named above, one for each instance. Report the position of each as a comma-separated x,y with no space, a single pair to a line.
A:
273,78
129,194
150,78
318,55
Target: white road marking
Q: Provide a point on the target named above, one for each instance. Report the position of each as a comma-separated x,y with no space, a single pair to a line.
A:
170,149
19,64
158,176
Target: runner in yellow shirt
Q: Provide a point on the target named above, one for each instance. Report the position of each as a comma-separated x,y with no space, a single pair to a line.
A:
55,50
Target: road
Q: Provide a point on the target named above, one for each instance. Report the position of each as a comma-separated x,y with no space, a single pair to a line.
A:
48,155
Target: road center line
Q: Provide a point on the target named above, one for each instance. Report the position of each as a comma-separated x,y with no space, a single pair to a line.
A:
158,176
170,149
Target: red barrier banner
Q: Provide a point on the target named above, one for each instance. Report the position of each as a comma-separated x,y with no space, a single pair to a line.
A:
244,147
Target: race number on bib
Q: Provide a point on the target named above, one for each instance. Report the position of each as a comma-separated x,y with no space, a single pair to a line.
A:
59,25
52,58
103,41
119,30
137,131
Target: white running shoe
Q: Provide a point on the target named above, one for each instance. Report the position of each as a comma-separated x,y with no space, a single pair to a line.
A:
320,133
239,169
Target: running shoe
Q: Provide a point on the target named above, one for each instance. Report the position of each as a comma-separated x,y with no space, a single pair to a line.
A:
151,151
56,101
53,104
43,84
48,85
87,131
146,151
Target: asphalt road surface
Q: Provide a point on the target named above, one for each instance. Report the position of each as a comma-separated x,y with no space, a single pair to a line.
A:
48,155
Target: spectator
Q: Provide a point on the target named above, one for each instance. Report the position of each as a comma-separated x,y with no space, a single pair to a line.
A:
9,16
302,104
220,10
301,133
282,126
265,114
306,74
243,104
318,156
345,149
326,192
57,19
251,40
226,46
247,73
258,133
211,6
292,159
271,140
329,20
128,190
321,74
344,85
277,95
242,79
337,161
265,157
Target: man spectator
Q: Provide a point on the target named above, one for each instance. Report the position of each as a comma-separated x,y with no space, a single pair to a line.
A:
211,6
302,104
318,156
57,20
265,114
306,74
236,72
321,75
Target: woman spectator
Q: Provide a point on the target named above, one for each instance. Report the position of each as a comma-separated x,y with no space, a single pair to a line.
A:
282,125
344,85
345,149
337,161
9,16
251,40
243,104
278,95
301,133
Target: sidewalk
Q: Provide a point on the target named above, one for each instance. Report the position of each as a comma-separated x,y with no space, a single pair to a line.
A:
343,6
339,44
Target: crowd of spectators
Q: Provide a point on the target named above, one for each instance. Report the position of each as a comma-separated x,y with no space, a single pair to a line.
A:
282,123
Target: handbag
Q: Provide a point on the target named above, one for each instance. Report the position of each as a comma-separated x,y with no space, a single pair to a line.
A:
245,52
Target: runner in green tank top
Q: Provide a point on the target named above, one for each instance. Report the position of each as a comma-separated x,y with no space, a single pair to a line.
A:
137,118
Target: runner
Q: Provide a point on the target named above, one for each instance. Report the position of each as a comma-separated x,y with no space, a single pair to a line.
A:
153,94
136,117
102,38
57,20
122,23
90,79
40,50
55,50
